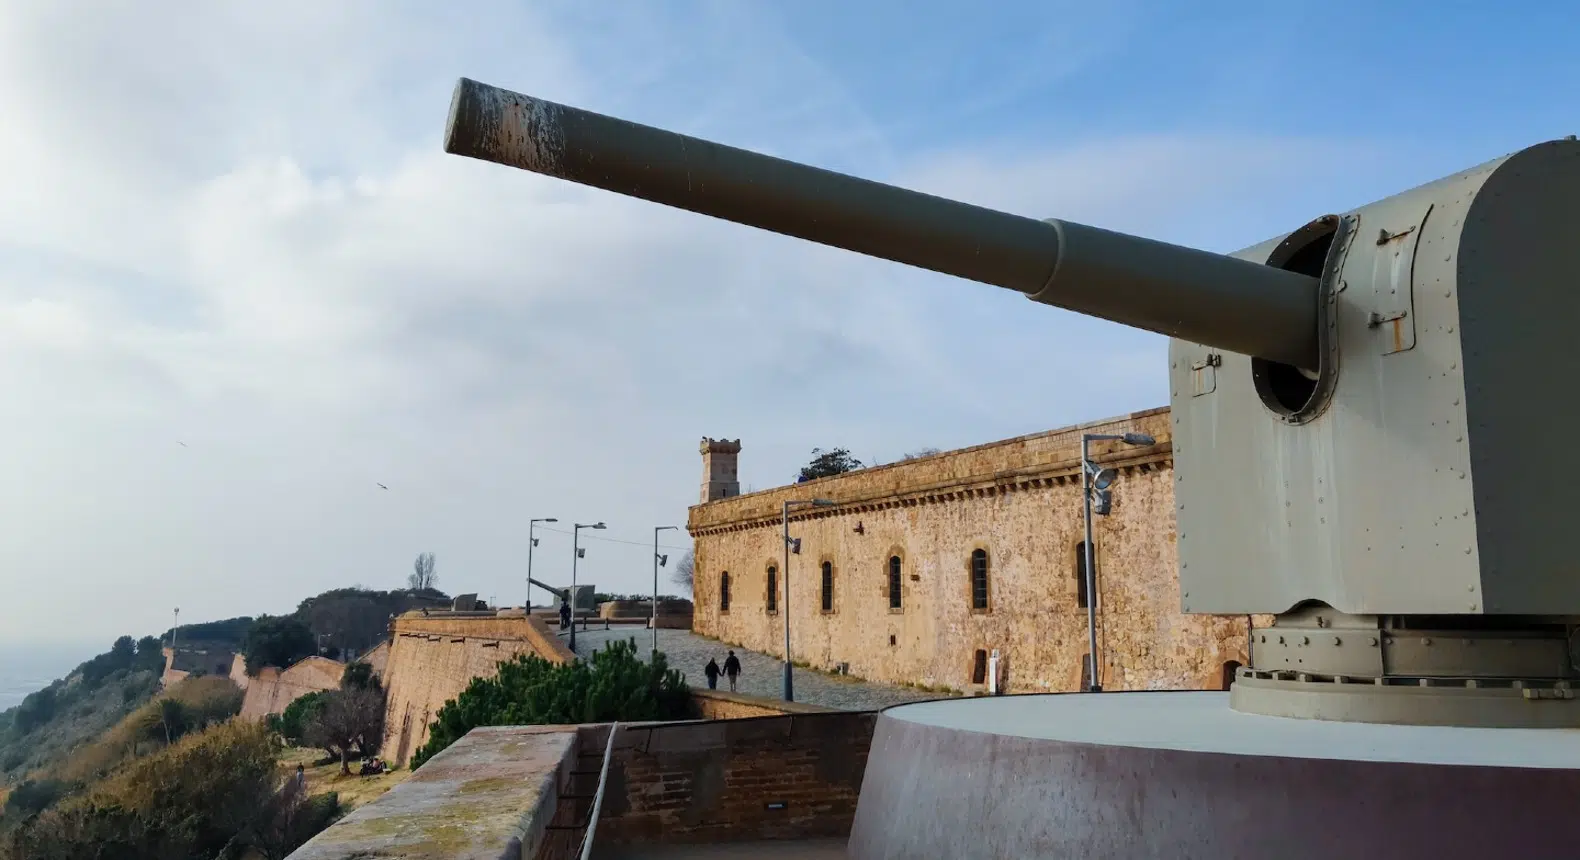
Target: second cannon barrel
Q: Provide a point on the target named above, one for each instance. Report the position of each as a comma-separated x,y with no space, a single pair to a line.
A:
1208,298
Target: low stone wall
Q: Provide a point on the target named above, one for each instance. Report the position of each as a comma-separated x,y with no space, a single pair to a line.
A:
794,776
488,796
718,705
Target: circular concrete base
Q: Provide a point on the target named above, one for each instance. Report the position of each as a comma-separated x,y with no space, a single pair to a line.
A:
1180,775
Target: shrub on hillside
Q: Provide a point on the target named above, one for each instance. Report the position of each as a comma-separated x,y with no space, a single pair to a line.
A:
184,802
292,722
191,704
529,690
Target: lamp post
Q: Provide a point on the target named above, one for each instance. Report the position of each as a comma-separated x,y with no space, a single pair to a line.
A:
532,542
1095,480
576,553
658,561
789,681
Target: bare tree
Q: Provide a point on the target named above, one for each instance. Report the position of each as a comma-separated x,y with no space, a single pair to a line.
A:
349,719
423,576
682,575
917,455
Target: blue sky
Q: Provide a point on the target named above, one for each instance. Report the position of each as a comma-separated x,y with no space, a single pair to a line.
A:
234,229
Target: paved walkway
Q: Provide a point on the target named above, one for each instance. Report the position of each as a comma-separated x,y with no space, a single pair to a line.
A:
761,675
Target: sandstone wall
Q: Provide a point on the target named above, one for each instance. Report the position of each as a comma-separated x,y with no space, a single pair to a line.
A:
433,658
378,657
1018,500
269,691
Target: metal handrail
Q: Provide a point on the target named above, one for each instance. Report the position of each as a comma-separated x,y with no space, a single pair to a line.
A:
597,807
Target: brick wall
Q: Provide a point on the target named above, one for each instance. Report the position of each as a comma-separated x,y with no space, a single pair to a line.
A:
782,777
1019,501
433,658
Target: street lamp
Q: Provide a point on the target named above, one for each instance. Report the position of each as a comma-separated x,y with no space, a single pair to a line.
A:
658,562
1093,481
576,553
789,683
532,542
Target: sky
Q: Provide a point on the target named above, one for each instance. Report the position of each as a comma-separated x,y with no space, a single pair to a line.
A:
241,285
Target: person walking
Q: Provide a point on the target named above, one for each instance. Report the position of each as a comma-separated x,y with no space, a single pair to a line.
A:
732,669
565,615
712,671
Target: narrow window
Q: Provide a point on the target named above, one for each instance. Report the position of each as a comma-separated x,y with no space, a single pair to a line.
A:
773,589
1086,671
1080,575
724,591
979,579
828,586
979,666
894,582
1230,669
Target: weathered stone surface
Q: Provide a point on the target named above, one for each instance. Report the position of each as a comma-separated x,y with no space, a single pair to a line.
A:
1019,501
272,689
488,796
433,658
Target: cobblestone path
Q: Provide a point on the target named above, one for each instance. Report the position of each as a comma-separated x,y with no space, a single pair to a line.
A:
761,675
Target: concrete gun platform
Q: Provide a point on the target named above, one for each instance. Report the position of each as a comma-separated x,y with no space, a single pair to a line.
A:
1180,775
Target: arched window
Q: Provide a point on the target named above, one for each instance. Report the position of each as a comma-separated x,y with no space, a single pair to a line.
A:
828,586
724,591
894,582
979,580
772,601
1080,575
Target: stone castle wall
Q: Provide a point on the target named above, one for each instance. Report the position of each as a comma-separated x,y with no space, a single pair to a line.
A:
272,689
1020,502
433,658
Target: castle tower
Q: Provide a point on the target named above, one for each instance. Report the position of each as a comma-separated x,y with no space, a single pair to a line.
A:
719,480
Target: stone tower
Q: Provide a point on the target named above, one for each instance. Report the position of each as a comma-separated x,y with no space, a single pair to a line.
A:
719,480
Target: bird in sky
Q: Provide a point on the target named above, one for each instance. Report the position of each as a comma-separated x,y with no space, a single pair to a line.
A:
181,443
381,486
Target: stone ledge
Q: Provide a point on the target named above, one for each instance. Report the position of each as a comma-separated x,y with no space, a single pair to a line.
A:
703,699
488,796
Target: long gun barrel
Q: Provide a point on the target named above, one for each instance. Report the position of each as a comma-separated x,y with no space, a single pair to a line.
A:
1233,304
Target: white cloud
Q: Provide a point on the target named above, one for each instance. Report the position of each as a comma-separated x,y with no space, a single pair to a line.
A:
231,227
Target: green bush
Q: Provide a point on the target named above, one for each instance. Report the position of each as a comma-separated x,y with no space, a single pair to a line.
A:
529,690
293,722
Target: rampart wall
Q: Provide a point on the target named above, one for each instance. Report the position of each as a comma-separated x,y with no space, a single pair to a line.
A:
1019,504
433,658
272,689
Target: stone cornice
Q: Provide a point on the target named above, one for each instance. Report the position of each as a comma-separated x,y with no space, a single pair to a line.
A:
1060,473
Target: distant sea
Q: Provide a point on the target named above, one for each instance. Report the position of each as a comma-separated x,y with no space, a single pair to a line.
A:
27,668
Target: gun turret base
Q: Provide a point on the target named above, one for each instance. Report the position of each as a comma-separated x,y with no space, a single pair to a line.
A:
1488,671
1181,775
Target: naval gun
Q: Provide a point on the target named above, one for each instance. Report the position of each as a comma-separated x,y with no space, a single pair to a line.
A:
1363,408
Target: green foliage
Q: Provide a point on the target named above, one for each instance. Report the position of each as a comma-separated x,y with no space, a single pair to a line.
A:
359,676
230,631
71,711
529,690
182,803
292,723
32,797
827,463
191,704
277,641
